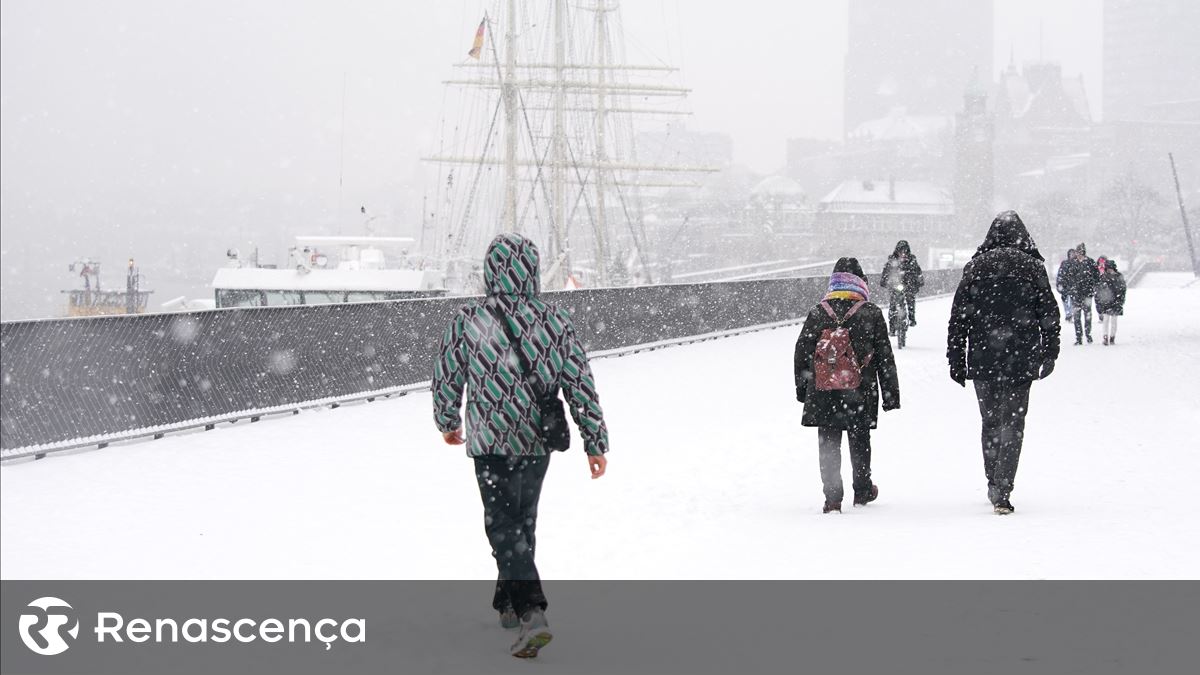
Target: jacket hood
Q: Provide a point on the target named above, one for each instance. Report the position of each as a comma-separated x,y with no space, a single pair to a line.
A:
1111,264
902,247
511,266
1008,231
850,265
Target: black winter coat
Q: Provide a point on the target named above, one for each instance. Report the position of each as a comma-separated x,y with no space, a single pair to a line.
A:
855,408
1110,293
1004,323
902,270
1080,277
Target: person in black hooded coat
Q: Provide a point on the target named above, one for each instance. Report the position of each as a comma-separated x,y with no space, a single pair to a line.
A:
1003,334
902,278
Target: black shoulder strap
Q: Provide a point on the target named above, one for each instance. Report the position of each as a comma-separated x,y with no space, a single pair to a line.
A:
527,372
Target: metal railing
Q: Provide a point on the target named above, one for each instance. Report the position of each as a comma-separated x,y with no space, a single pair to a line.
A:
69,383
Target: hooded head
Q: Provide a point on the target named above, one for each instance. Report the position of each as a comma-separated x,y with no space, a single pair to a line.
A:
848,281
902,248
511,266
1008,231
849,265
1110,265
1081,249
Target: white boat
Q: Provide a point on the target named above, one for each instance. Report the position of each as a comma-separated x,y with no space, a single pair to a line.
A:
326,270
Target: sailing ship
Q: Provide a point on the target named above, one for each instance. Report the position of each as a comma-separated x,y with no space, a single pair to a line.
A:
538,139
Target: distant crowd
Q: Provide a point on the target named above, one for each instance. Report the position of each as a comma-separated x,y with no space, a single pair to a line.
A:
1083,282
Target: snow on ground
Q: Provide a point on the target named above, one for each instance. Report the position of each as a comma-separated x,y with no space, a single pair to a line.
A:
711,476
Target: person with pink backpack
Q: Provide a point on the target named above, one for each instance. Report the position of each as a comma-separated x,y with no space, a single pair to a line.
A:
844,365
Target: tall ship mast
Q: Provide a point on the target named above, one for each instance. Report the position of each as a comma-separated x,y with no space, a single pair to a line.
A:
538,138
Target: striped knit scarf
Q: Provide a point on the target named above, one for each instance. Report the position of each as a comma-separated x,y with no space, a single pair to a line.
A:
847,286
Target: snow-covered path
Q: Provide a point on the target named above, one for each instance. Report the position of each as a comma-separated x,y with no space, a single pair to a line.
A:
711,476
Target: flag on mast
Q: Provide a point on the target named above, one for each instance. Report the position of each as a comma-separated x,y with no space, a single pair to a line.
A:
477,46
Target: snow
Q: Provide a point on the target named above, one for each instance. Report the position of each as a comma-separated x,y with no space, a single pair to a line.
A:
711,476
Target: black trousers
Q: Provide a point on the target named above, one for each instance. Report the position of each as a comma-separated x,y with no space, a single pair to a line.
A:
1003,405
1081,308
510,488
829,443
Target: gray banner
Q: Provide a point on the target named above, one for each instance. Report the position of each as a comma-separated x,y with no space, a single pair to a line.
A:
604,627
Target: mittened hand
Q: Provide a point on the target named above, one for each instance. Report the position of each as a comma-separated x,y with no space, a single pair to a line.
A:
454,437
1047,368
958,376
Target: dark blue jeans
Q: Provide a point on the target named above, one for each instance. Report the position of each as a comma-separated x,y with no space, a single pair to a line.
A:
510,488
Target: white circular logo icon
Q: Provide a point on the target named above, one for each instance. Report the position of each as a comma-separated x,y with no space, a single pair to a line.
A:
46,625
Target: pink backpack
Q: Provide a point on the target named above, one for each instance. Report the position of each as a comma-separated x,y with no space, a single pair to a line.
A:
835,364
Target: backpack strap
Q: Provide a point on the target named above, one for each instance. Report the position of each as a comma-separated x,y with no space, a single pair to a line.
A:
527,371
833,315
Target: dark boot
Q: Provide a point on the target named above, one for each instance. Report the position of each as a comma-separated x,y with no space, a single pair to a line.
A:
864,499
832,507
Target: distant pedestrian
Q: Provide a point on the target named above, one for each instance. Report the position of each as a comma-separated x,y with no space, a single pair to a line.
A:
1082,276
843,365
1110,300
902,278
1003,334
511,353
1060,283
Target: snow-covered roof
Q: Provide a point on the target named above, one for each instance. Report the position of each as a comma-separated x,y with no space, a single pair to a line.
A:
899,126
326,280
777,186
882,196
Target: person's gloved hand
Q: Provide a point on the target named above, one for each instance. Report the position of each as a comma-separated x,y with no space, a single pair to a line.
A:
454,437
1047,368
959,376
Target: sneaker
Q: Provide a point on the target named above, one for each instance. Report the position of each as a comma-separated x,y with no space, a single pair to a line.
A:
535,635
1104,339
509,619
832,507
1004,507
863,500
1089,339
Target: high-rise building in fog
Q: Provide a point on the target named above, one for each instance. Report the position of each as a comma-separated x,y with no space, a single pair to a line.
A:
914,54
1151,58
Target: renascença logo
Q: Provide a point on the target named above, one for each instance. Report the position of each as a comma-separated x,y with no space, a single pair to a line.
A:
45,629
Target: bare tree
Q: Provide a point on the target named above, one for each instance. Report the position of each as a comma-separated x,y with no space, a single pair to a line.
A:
1131,214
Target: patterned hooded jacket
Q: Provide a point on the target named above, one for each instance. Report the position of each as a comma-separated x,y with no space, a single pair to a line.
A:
476,356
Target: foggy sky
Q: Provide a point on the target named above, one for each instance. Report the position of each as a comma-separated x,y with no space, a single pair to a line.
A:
144,127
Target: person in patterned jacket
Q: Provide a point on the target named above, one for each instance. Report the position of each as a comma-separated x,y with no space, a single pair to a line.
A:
502,417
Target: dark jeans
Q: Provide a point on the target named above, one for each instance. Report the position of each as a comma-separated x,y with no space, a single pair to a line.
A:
829,443
510,488
1082,306
1003,405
